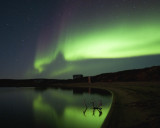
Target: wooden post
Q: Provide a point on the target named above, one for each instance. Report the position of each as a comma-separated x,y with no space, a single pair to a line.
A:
89,79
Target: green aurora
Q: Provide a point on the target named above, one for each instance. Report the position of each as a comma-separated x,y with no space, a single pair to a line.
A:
56,39
118,41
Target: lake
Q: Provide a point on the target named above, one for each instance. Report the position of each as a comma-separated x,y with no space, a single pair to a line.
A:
53,107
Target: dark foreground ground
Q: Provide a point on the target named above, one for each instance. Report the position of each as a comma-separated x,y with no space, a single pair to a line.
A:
135,104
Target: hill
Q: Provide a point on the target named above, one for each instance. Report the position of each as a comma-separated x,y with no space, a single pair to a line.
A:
146,74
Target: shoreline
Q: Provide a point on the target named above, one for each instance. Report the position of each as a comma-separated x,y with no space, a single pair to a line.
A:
134,105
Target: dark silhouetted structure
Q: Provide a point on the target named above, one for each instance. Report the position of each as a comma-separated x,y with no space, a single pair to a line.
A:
78,76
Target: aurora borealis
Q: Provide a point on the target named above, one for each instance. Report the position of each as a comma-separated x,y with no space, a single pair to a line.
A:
130,41
56,39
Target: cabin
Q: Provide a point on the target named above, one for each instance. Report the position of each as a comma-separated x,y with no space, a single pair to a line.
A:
78,76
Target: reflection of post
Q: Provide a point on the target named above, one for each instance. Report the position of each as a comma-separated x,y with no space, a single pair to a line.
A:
89,79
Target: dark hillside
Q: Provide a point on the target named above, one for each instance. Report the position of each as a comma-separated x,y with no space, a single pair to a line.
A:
146,74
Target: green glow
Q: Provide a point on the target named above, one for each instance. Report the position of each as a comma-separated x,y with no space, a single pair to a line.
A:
41,110
63,70
79,121
70,114
117,41
42,60
59,94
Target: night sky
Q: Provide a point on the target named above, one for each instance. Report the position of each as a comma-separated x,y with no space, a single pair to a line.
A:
59,38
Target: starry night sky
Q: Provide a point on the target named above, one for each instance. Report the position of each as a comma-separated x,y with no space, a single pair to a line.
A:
59,38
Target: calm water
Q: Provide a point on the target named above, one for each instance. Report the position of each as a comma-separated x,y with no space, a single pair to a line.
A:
53,108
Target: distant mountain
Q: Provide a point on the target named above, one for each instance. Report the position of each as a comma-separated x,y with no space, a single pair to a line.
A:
146,74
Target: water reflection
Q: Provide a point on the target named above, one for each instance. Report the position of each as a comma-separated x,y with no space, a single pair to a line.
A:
99,108
53,107
71,108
